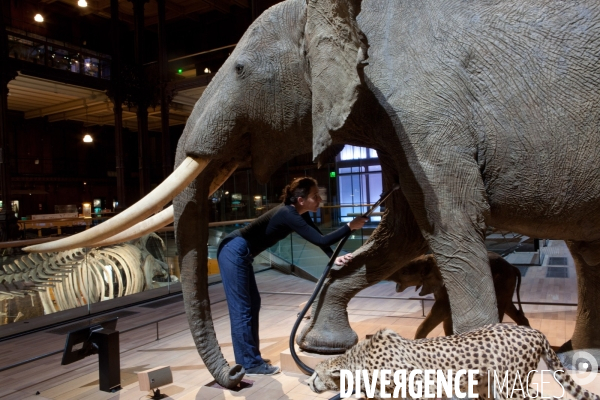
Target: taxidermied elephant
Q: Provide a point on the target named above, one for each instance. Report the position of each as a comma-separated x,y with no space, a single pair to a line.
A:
484,112
423,272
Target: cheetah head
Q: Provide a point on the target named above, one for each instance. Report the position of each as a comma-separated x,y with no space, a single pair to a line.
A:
326,375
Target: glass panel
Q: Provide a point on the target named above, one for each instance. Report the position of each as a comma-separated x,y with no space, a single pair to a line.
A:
375,187
90,66
26,50
38,49
61,58
353,153
104,68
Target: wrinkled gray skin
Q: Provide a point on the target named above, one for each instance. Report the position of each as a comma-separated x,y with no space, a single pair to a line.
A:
423,272
484,112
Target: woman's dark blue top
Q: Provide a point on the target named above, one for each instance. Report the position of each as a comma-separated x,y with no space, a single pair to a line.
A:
278,223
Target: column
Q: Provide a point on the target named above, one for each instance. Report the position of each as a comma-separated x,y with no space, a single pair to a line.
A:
6,217
167,163
117,102
142,103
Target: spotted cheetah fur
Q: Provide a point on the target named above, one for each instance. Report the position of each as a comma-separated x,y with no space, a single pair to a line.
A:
499,347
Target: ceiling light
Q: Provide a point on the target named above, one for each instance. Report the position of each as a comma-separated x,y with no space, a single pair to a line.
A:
38,18
206,71
88,139
82,3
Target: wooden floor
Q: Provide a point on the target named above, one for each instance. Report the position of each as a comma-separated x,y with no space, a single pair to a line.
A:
47,379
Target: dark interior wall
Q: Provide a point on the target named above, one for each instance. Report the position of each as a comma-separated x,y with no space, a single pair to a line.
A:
64,161
54,166
62,22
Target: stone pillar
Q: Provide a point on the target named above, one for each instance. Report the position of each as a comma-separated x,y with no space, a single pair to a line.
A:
117,103
142,103
167,163
6,217
253,9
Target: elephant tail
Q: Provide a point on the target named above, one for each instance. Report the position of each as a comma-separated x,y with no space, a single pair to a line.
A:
561,376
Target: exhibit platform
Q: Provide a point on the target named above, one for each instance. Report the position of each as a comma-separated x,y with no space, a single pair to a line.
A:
140,349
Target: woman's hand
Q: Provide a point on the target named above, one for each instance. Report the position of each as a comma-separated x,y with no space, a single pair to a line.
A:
343,260
357,223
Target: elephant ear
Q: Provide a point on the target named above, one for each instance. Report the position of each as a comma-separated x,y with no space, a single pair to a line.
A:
336,50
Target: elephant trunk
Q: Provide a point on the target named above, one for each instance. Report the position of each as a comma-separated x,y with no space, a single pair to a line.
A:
191,221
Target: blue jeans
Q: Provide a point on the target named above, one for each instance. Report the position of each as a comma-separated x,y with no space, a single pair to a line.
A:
243,300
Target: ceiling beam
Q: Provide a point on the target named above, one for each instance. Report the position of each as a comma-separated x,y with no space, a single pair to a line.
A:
81,112
185,100
44,85
182,108
170,5
59,108
241,3
218,5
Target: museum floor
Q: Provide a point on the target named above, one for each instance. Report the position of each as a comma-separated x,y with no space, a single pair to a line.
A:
140,350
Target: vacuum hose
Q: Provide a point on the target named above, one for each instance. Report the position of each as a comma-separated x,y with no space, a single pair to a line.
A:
336,253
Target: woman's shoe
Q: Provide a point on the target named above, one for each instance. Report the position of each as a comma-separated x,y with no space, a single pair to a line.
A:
264,369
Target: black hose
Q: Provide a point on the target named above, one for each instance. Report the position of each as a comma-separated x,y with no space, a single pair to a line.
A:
336,252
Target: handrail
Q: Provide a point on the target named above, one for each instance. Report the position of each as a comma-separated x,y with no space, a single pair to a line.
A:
202,52
11,366
195,54
29,242
35,37
536,303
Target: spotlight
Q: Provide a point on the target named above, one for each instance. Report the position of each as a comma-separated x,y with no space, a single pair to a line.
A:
88,139
38,18
82,3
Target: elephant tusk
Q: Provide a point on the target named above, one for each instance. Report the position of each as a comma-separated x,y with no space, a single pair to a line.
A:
157,221
223,174
166,216
189,169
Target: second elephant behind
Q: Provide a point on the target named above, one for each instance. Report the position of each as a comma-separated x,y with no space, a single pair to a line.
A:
423,271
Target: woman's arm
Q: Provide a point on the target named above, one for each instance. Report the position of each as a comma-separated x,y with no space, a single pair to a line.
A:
305,227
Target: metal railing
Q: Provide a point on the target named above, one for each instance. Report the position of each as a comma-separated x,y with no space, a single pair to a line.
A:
157,321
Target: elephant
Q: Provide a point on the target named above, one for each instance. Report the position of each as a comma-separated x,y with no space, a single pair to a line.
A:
485,113
423,272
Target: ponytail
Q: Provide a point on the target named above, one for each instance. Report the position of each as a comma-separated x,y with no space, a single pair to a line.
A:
299,187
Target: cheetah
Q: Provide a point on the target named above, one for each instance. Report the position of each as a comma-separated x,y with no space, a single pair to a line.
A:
497,347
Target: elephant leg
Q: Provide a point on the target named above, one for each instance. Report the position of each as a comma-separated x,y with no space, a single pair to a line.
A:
516,315
587,264
440,312
452,221
448,329
395,242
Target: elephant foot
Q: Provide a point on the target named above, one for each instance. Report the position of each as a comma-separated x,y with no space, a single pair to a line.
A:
326,341
587,359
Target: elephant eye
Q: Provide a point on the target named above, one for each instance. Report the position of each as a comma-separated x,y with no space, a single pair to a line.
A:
239,68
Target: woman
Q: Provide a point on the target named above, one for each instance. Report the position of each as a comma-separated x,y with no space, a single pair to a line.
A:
236,254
